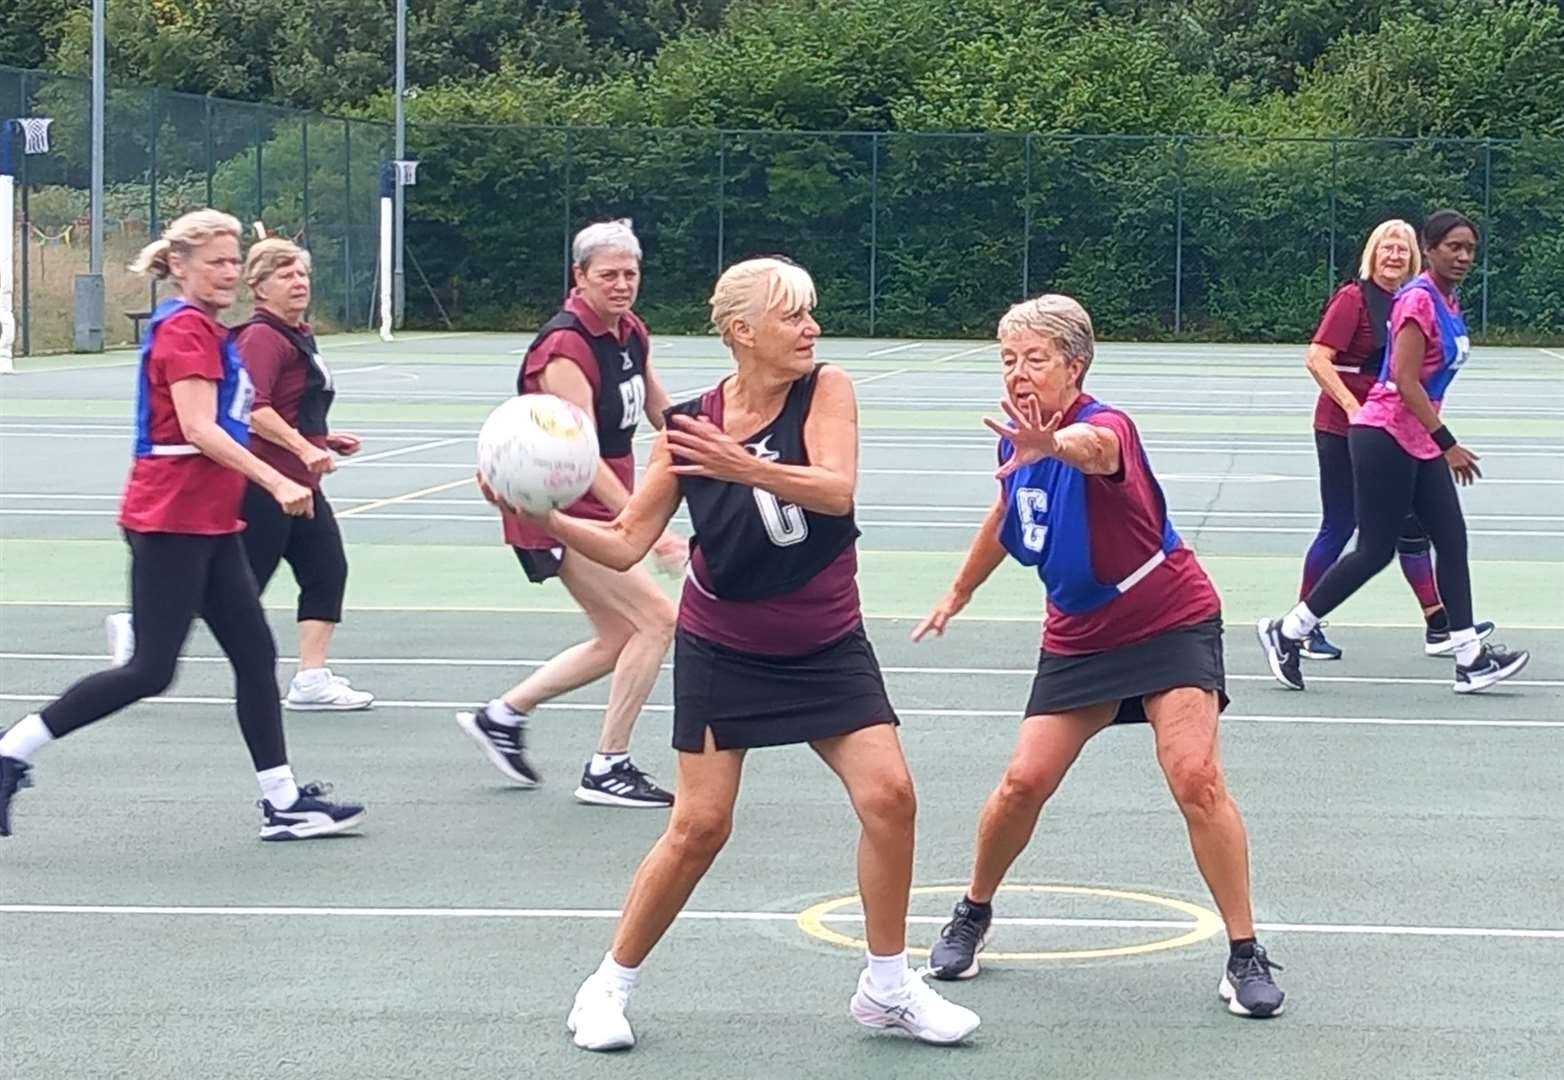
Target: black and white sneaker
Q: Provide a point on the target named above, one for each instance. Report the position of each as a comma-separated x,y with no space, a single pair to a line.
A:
1493,665
622,785
1282,653
505,745
14,776
1438,643
955,954
1247,986
312,815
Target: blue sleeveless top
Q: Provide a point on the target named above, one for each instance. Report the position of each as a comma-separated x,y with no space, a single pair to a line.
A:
1046,526
1453,338
235,394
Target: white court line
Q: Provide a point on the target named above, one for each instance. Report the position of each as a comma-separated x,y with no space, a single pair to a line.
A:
330,345
897,349
267,911
359,370
546,609
956,714
1550,352
435,444
888,669
407,497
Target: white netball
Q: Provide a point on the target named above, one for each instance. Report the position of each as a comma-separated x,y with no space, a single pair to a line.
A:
538,452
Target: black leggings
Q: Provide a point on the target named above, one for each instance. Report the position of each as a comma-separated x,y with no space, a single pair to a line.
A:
173,578
1388,484
311,545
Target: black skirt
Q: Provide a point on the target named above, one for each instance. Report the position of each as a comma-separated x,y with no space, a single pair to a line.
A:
748,700
1189,656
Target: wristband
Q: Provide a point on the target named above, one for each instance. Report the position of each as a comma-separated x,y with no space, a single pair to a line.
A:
1442,438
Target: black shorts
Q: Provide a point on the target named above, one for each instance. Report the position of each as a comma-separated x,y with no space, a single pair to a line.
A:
1190,656
749,700
540,565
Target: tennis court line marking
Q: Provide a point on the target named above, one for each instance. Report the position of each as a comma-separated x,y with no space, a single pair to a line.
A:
1550,352
958,714
266,911
409,496
888,669
433,444
897,348
545,609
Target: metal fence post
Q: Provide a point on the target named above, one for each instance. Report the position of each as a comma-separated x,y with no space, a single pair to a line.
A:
347,222
21,183
874,224
722,193
1178,238
259,170
1026,222
1487,222
152,214
211,152
1331,284
567,209
304,156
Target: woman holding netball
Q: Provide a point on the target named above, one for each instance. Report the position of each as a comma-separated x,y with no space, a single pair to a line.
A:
771,648
180,516
1345,358
1405,459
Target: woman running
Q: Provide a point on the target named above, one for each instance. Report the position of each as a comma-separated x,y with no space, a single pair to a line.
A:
771,647
596,353
181,519
1133,634
293,395
1344,358
1404,459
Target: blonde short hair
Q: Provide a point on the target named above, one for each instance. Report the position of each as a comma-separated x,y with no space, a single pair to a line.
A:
271,255
183,235
1058,318
749,289
1393,227
605,238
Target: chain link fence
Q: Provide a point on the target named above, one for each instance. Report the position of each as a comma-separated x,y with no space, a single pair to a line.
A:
907,234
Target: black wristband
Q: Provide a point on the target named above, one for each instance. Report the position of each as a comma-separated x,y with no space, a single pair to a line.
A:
1442,438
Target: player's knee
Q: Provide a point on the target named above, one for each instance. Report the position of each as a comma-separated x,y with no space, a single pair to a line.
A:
1197,785
892,802
1027,783
697,835
151,675
662,619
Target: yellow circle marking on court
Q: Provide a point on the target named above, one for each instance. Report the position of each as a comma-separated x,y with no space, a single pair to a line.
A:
1207,922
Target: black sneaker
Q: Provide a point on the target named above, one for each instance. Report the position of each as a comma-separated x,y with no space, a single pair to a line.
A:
1247,986
1493,665
1281,653
1316,647
955,954
622,785
504,745
1438,643
13,777
310,816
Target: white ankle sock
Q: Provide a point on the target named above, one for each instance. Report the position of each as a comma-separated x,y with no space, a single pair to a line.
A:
1467,647
1299,623
24,740
621,976
602,764
278,787
312,676
501,713
887,972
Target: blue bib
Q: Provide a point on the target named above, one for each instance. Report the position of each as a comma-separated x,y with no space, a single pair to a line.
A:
235,394
1046,526
1453,338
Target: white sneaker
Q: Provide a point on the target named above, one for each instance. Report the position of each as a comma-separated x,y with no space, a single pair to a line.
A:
597,1019
122,638
915,1008
325,692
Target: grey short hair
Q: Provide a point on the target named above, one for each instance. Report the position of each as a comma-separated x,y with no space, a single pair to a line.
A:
1058,318
605,238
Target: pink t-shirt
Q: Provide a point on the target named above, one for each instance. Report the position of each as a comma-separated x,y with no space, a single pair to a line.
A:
1384,407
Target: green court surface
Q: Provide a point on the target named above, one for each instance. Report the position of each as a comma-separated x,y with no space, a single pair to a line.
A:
1407,844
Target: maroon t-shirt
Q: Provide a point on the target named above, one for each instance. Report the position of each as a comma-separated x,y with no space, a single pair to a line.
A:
277,369
1345,327
1124,517
824,609
572,346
